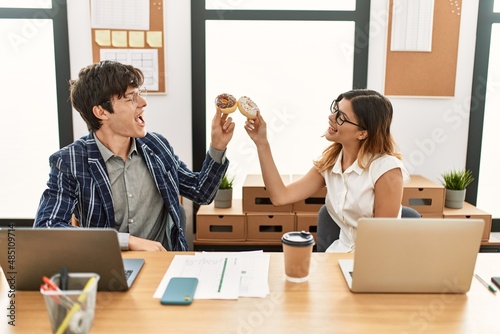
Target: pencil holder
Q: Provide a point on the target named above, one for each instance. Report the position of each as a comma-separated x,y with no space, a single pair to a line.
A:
72,310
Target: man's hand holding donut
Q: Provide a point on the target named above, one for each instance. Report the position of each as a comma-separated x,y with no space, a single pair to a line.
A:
222,130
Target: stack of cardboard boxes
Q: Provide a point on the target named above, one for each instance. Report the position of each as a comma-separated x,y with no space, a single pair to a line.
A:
470,211
428,197
254,220
268,222
424,196
265,221
306,211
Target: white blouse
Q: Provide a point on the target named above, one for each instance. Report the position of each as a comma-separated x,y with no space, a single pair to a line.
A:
351,195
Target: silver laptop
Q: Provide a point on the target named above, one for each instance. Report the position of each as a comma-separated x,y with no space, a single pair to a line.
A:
413,255
35,253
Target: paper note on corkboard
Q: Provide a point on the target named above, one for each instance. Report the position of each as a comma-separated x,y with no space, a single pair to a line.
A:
132,35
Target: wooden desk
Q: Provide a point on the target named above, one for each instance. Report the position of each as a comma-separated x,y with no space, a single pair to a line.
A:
323,305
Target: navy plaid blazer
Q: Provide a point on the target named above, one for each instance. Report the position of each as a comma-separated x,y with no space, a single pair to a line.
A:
79,184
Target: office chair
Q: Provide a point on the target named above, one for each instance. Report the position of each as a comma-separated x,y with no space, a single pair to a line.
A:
408,212
328,231
183,218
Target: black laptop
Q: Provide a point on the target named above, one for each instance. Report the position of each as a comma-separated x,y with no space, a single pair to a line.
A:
28,254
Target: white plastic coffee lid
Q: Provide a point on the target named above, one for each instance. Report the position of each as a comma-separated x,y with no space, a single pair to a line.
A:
301,238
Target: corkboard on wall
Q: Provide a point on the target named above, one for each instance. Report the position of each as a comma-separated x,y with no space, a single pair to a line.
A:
427,73
143,48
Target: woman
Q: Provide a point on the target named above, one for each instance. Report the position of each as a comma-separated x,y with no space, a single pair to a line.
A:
363,174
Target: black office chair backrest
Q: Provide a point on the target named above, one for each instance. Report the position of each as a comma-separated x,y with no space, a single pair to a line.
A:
408,212
328,231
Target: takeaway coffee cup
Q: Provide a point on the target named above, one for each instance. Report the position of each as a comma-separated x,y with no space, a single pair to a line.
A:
297,249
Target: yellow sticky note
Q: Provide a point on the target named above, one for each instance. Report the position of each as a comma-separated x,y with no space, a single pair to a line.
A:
119,39
103,37
136,39
155,39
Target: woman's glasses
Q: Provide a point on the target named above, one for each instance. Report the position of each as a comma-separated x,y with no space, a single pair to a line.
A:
341,117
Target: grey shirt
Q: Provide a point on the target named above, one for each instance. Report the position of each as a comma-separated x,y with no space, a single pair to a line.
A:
139,207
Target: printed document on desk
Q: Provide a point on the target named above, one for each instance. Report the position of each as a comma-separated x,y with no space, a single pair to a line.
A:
221,275
218,277
254,272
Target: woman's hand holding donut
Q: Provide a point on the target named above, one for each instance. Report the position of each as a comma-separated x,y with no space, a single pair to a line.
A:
223,125
257,129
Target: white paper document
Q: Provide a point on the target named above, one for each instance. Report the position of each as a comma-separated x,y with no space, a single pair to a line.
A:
412,24
221,275
120,14
254,268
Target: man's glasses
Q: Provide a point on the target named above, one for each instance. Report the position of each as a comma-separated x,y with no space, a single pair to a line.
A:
340,117
134,97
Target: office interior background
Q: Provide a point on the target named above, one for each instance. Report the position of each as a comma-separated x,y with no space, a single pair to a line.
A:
292,57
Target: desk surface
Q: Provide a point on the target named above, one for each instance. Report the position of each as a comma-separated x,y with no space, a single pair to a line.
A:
324,304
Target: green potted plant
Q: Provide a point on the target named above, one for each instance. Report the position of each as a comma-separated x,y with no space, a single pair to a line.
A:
224,196
455,183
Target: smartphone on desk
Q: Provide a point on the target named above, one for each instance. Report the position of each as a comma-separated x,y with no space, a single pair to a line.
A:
179,291
496,281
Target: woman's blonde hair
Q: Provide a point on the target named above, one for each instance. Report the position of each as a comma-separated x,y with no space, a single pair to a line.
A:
374,114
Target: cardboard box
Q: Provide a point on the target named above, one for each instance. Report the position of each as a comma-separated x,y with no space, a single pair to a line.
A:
256,197
469,211
269,227
310,204
432,215
307,221
423,195
221,224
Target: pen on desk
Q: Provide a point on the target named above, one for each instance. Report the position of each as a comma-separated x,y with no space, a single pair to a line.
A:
56,298
66,301
222,275
81,299
50,283
63,286
489,286
63,279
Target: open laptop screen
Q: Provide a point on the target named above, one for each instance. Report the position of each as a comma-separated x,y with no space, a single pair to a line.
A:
414,255
27,254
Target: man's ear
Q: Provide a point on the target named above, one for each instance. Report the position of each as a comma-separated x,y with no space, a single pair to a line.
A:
100,112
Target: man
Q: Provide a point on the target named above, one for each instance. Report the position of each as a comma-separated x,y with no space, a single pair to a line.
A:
119,175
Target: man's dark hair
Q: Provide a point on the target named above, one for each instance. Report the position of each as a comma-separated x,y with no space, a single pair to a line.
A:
97,83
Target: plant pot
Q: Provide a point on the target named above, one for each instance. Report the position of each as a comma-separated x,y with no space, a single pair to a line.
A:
454,199
223,198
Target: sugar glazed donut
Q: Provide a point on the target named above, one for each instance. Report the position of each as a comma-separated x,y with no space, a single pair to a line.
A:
247,107
226,103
